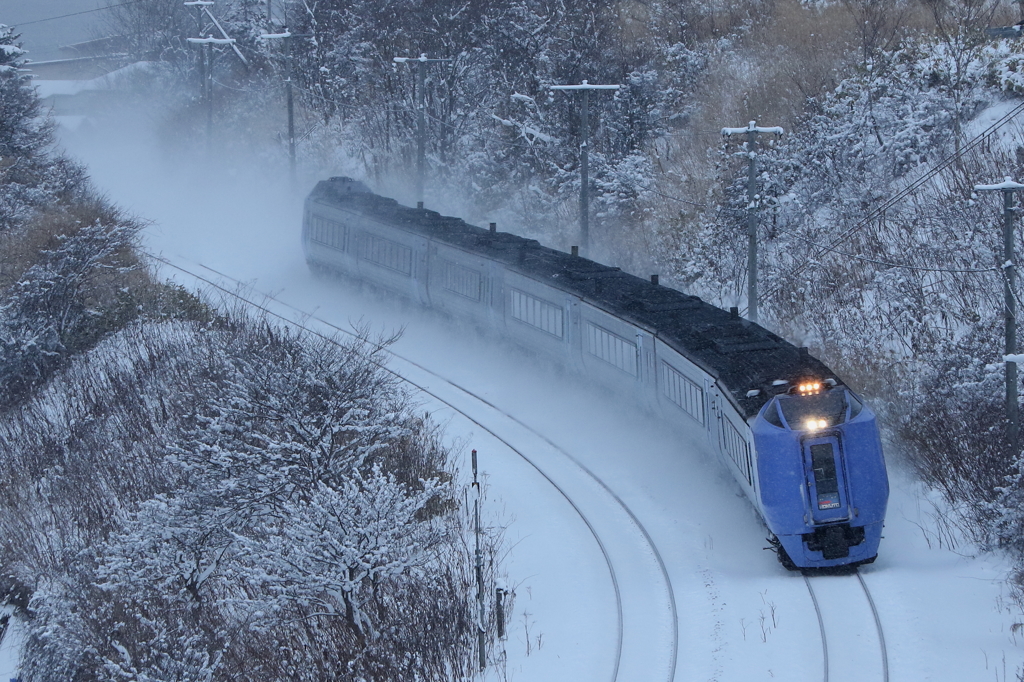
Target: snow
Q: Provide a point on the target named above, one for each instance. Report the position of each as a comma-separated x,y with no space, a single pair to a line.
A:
1006,184
945,607
49,88
753,128
585,86
212,41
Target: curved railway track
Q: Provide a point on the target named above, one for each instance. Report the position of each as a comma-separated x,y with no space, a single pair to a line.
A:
636,663
842,605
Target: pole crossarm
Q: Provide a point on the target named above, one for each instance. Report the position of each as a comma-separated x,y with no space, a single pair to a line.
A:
1006,184
422,59
585,86
753,128
211,41
204,6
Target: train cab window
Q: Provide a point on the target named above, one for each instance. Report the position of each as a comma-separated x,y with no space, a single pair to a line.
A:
829,406
855,405
771,414
826,481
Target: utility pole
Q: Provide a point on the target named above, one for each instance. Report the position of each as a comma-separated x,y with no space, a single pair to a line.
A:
286,36
585,88
205,88
1011,358
209,42
752,131
421,63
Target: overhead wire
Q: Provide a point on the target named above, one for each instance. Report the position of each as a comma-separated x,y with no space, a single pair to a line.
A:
902,194
75,14
885,263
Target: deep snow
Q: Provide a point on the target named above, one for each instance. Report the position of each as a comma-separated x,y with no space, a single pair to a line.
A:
944,608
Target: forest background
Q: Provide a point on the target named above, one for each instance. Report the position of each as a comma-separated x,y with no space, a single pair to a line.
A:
875,252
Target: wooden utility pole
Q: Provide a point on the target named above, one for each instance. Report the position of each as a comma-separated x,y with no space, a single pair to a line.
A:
752,131
585,89
421,63
1008,267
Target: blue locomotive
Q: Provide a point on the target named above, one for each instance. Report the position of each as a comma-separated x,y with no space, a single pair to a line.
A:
804,448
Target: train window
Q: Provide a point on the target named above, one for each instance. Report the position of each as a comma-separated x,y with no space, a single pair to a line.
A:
829,406
855,405
462,280
386,253
771,414
611,348
537,313
327,232
826,481
736,447
683,392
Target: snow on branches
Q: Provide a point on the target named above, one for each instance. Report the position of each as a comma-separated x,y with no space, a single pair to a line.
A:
234,499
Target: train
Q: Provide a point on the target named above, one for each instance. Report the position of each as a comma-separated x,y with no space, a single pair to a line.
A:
801,444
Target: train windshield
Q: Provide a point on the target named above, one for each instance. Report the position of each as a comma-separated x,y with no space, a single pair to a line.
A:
828,407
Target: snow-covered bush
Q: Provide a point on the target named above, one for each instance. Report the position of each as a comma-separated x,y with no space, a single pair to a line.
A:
234,501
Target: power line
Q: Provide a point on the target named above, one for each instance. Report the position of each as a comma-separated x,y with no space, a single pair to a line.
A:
906,191
75,14
882,262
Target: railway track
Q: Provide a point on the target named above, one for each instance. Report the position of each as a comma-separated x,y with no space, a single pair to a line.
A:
852,640
593,500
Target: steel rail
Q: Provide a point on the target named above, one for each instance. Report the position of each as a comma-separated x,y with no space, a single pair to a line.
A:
649,541
821,625
662,567
604,551
878,625
874,613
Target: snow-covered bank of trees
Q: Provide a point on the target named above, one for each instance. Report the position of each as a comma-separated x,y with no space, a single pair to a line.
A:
191,493
234,501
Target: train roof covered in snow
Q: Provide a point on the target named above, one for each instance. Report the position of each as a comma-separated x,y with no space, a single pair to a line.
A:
747,359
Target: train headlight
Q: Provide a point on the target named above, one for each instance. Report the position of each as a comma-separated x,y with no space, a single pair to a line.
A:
809,387
815,424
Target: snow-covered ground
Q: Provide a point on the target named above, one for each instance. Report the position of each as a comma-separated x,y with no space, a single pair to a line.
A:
739,615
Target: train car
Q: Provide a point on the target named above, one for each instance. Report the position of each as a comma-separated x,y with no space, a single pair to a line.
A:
804,448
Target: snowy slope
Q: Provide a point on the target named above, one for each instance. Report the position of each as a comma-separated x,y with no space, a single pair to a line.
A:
740,616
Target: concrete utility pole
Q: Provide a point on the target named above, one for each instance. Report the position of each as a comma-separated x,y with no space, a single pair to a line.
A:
585,88
1011,358
421,63
286,36
209,43
752,131
206,71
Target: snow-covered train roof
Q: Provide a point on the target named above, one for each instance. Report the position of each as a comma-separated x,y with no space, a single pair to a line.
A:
742,355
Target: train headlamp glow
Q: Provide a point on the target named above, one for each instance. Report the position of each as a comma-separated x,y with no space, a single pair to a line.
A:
809,387
815,424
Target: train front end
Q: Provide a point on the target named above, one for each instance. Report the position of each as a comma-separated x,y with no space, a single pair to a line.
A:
823,483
